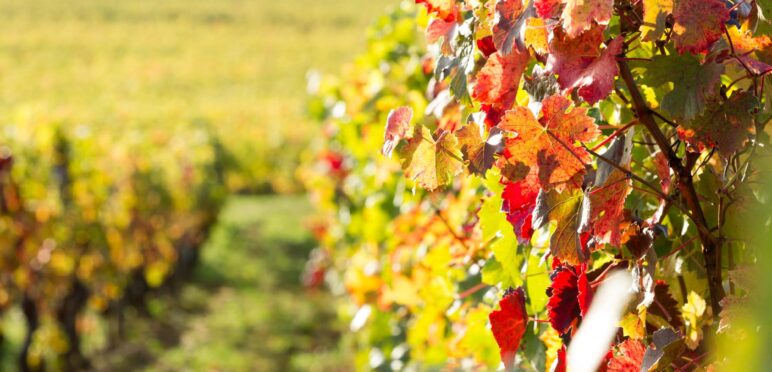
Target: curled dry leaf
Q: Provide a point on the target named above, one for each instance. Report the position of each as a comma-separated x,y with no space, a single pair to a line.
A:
397,126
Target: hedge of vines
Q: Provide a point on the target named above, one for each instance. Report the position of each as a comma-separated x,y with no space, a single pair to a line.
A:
96,221
486,165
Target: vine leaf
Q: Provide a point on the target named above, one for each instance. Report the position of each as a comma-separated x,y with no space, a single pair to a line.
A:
508,325
667,345
571,212
569,57
595,81
725,126
693,83
655,14
480,154
665,307
536,35
519,200
443,9
430,162
548,144
569,297
439,29
508,30
498,80
397,125
547,9
627,356
744,42
611,189
698,24
581,15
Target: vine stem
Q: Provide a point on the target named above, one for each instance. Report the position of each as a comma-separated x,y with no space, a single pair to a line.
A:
711,249
614,135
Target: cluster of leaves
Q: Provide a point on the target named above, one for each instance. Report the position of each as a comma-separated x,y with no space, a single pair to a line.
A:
545,144
92,222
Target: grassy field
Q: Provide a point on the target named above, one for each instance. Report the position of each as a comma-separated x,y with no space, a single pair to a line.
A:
239,66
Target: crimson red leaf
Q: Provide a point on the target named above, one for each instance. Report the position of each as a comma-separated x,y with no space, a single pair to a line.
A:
508,324
585,291
563,306
486,46
519,200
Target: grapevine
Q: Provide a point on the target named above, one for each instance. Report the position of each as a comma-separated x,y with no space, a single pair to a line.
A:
81,235
477,190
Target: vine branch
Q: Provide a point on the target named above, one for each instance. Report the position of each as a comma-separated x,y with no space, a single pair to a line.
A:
711,247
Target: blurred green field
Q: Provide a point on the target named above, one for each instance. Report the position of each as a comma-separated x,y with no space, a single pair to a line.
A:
239,66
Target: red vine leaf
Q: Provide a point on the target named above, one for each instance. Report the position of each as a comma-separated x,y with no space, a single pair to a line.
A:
596,81
498,80
548,144
570,297
486,46
397,125
440,29
547,8
430,162
507,32
508,325
698,24
570,57
519,201
628,356
581,15
585,291
725,126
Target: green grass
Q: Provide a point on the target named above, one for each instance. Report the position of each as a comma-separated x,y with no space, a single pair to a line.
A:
239,65
245,308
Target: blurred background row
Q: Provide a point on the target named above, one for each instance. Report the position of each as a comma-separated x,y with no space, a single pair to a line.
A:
132,134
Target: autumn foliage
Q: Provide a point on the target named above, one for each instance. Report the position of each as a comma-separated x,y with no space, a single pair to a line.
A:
539,146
